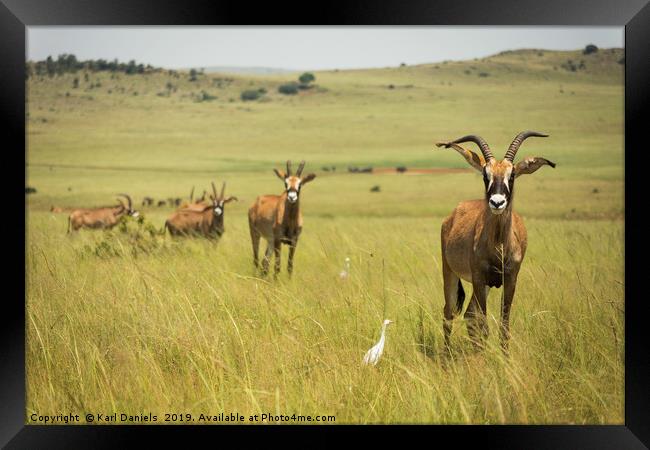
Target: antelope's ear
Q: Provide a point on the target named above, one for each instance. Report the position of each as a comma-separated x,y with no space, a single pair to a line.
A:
230,199
308,178
474,160
280,174
530,164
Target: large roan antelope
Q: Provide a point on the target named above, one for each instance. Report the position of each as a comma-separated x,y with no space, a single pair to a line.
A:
277,218
105,217
484,241
208,221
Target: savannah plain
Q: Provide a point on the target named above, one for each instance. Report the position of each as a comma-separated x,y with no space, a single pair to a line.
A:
133,322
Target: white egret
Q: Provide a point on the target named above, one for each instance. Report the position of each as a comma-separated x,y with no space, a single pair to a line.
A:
345,273
373,355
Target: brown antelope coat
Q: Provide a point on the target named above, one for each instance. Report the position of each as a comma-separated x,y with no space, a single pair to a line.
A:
278,219
202,220
484,241
100,218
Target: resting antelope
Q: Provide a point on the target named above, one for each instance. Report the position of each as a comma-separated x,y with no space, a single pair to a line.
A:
278,220
207,222
106,217
484,241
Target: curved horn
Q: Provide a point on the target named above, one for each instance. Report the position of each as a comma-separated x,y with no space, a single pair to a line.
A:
121,202
485,149
214,190
128,199
223,190
300,167
192,194
516,143
288,167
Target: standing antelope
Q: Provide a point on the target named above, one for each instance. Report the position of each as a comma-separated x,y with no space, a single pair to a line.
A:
278,219
208,221
484,241
106,217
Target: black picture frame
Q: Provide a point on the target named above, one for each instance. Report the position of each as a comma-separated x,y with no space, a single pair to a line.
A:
16,15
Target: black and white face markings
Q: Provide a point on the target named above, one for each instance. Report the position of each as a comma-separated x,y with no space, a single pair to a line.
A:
499,179
218,208
292,186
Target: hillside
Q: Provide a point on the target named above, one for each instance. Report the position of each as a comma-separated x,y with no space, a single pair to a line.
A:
161,125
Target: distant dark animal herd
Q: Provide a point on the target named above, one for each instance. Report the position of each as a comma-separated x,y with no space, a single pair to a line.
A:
354,169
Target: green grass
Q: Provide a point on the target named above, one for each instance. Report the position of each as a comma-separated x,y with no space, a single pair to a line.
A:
187,327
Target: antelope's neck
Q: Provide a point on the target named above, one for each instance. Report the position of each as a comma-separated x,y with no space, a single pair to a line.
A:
498,227
291,210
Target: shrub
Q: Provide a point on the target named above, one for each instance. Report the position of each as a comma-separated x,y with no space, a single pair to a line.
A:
306,78
483,74
591,48
204,96
288,89
250,94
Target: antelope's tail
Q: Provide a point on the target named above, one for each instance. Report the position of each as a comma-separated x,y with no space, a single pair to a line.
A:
460,300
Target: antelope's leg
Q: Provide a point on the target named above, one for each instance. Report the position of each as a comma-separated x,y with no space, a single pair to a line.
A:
277,247
508,296
454,298
292,251
477,325
267,258
255,239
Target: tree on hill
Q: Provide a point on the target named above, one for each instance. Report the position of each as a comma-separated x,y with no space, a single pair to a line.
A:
68,63
591,48
50,66
131,68
193,74
306,78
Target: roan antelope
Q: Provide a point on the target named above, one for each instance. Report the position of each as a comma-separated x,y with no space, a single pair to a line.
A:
207,222
106,217
277,218
484,241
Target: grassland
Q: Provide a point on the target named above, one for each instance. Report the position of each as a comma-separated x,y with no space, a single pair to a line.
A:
188,327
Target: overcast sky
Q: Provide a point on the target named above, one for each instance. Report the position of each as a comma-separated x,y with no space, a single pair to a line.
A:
303,48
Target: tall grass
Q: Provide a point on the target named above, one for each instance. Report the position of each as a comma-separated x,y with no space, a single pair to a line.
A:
190,328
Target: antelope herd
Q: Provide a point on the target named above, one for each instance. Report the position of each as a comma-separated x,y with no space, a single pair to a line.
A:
483,241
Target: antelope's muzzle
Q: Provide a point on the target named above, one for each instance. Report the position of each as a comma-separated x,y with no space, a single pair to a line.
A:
497,203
